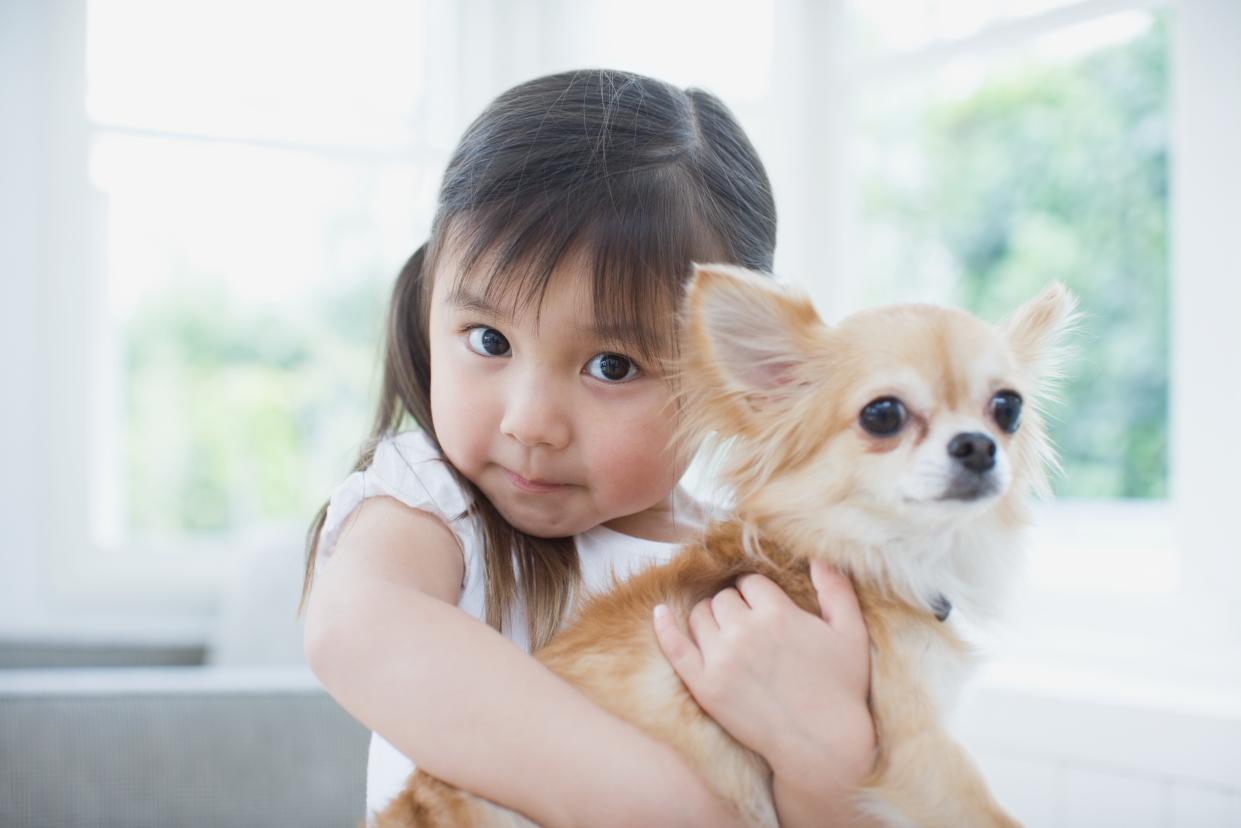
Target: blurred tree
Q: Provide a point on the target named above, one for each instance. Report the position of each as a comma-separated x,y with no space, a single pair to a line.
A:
225,405
1056,171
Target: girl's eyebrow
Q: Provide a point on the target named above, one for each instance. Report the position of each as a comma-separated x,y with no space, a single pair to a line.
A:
462,299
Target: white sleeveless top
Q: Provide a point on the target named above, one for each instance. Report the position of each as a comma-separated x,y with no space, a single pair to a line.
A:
408,467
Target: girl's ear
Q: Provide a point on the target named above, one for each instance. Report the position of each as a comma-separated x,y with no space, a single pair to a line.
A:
1037,330
754,340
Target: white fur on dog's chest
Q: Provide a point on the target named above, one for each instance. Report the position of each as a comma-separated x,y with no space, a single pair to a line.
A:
969,566
940,668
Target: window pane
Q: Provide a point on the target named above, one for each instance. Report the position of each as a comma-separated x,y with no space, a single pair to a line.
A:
247,289
303,72
983,183
620,34
900,25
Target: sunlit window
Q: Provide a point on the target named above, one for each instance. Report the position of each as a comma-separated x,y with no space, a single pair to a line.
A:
262,182
994,174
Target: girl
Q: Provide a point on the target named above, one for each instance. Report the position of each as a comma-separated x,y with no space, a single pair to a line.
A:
524,341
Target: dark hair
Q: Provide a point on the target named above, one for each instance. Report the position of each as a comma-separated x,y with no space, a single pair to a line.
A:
643,177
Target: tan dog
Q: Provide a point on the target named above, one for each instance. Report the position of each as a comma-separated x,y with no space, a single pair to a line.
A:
902,446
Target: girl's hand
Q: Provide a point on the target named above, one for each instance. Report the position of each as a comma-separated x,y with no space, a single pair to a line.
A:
789,685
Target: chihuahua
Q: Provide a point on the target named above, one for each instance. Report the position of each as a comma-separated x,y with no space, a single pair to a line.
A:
903,446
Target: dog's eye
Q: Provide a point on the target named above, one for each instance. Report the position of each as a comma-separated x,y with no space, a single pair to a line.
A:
883,417
1006,409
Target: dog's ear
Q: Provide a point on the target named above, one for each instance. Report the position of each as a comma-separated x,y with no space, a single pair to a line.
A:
754,339
1037,331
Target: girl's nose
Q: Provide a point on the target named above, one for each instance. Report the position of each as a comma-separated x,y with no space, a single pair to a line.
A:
535,416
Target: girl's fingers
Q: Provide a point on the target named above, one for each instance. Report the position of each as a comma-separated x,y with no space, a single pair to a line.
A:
702,624
728,607
760,591
837,599
685,658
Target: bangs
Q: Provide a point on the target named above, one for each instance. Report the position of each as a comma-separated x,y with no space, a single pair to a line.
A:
637,236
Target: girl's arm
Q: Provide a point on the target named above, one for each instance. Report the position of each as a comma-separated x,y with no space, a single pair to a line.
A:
384,637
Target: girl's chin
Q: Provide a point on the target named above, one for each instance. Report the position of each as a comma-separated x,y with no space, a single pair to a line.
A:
539,526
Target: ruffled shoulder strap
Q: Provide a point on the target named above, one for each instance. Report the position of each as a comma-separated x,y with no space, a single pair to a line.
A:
408,467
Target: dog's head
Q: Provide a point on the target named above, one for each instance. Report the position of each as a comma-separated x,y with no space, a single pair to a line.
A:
898,422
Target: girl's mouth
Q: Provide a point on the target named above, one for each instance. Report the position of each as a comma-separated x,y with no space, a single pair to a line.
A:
533,486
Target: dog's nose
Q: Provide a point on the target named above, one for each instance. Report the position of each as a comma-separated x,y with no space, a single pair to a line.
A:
976,451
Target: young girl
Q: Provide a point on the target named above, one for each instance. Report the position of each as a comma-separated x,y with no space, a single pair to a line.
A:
525,342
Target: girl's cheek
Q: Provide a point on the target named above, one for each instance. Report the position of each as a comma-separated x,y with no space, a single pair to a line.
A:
460,411
629,455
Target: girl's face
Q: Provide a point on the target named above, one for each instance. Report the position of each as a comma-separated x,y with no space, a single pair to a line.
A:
552,420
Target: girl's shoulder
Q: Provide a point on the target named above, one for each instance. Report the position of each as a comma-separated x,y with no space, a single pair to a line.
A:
406,466
410,467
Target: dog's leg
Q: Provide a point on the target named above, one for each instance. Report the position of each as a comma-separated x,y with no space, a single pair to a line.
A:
922,776
928,781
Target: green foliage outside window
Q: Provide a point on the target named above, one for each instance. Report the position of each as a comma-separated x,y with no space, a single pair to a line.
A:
244,417
1056,171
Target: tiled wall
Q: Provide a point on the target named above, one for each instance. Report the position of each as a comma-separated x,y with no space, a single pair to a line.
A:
1057,793
1072,758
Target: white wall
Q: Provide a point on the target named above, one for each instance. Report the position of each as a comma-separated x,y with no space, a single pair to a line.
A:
1206,297
25,69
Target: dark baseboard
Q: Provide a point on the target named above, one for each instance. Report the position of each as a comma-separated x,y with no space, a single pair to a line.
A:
41,655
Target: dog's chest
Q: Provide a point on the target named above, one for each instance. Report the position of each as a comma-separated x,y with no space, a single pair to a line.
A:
931,654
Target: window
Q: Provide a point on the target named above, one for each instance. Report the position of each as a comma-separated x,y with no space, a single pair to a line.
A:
984,179
993,147
993,157
251,206
983,173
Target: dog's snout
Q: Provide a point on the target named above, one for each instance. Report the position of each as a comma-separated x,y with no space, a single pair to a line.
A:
974,450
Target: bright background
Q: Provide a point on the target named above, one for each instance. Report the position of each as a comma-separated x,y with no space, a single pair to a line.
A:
203,206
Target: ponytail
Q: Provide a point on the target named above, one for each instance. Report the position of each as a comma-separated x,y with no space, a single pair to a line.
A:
407,368
547,568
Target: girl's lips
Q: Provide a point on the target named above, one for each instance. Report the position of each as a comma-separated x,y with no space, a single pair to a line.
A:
531,485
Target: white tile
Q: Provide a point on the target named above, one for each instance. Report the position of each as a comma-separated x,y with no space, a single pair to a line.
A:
1031,791
1097,799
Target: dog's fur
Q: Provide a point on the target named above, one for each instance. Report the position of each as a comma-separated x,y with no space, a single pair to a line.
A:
761,371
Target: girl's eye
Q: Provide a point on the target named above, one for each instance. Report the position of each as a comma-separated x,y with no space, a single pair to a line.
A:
487,342
612,368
